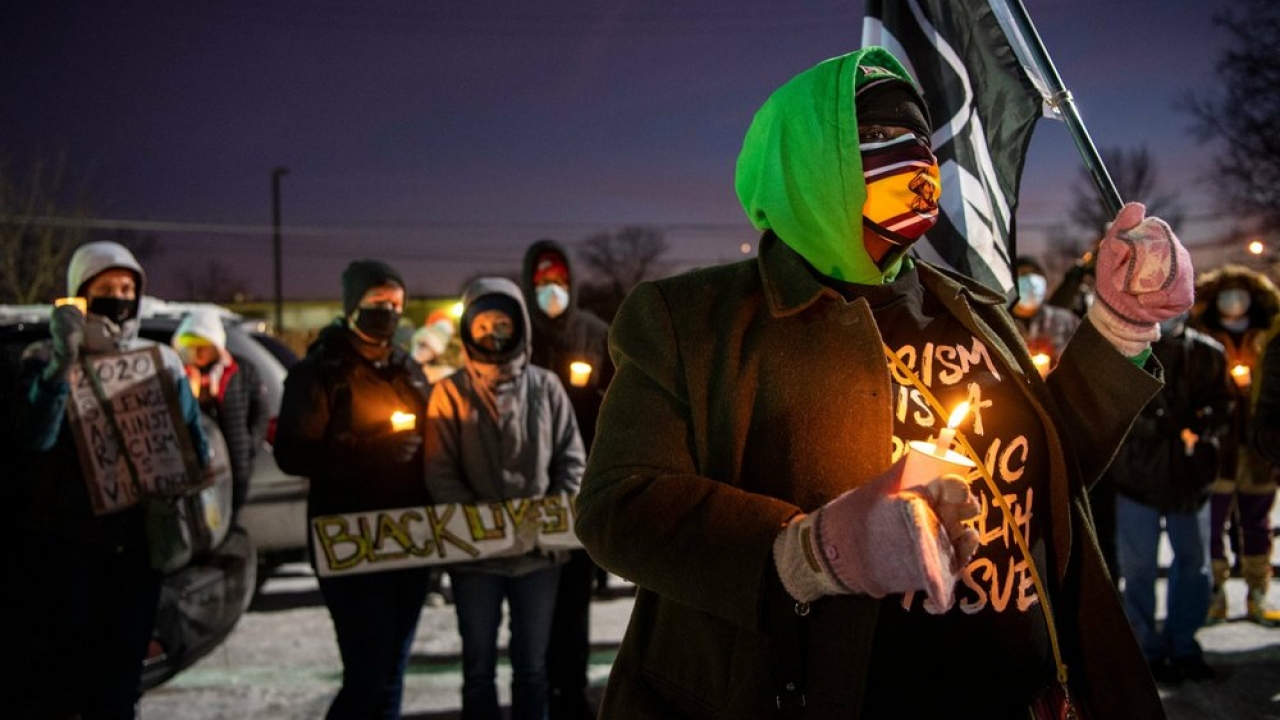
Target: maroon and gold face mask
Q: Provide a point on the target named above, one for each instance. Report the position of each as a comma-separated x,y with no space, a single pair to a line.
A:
902,196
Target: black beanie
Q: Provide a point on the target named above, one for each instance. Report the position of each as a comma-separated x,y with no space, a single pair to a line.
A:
361,275
1023,261
893,102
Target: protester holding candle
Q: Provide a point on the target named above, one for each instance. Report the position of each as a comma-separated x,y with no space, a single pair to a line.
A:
89,591
502,429
1236,306
746,474
574,344
351,421
1045,328
1162,475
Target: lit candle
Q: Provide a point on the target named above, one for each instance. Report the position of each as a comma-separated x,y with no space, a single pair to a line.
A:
926,461
579,374
1189,440
401,421
1041,361
948,434
1240,373
81,304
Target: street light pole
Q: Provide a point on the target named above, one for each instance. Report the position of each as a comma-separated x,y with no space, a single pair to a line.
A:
276,173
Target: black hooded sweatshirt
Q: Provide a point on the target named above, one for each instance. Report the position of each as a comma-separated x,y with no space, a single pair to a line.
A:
575,335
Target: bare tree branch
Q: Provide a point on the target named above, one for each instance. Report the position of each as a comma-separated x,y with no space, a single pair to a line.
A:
1245,109
33,253
618,261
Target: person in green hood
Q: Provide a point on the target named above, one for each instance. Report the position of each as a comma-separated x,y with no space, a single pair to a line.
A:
748,468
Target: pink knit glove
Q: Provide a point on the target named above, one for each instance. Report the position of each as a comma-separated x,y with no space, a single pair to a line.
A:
879,540
1144,275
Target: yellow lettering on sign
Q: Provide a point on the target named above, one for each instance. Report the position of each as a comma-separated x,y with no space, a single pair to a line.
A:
555,516
333,533
476,523
441,536
393,529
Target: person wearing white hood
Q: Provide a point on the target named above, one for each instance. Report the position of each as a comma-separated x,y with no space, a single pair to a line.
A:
502,429
227,391
91,593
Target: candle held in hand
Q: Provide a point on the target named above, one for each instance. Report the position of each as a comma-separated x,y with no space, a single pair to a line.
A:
948,434
401,421
81,304
579,374
1241,375
1041,361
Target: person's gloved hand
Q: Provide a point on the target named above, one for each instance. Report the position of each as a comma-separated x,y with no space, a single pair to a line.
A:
393,448
1144,276
66,329
878,540
527,532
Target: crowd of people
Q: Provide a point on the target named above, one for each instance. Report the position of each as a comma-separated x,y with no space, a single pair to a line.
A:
504,424
762,447
1198,464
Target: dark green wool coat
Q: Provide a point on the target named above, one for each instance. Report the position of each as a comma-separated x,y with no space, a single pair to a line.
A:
747,393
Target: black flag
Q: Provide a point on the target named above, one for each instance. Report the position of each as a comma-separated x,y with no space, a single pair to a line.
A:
984,96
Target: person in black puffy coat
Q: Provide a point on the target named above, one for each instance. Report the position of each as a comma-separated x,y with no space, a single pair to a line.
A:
1163,473
335,428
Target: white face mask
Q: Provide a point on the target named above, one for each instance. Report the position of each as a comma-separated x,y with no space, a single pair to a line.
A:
1233,303
1031,290
553,299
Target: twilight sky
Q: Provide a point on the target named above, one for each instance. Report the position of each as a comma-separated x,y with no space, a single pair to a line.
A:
445,136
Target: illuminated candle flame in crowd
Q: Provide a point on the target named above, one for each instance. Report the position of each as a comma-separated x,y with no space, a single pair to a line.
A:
401,421
948,434
1041,361
579,374
1240,373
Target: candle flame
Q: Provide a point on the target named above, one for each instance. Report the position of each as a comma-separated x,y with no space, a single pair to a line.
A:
401,421
1040,359
81,303
579,373
1239,370
958,414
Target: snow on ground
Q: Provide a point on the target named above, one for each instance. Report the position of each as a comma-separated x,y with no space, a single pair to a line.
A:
281,662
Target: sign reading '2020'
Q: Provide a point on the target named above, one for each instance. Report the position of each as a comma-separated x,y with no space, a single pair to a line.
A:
441,534
141,431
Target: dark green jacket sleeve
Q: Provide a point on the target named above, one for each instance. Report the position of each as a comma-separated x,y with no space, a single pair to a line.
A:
644,512
1099,393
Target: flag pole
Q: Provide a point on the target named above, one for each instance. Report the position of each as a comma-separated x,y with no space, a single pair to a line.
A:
1061,100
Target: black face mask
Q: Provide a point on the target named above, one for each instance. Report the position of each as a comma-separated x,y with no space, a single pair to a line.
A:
376,322
117,310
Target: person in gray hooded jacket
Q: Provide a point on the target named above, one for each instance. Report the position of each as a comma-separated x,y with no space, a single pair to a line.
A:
90,592
502,429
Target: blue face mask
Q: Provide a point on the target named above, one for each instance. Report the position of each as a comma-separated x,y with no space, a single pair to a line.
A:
1031,290
553,299
1233,303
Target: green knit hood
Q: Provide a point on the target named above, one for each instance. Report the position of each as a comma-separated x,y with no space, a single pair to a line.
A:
800,170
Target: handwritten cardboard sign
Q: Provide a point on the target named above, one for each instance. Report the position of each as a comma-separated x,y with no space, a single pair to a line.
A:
151,431
382,540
